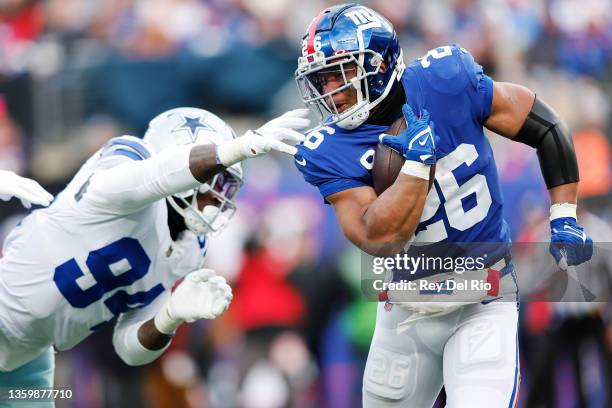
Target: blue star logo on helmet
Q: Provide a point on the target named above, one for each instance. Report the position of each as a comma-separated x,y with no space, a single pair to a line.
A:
192,124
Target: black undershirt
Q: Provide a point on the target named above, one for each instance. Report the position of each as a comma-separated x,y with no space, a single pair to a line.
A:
176,222
390,108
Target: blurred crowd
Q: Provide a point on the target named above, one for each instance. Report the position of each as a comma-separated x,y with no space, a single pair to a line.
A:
74,73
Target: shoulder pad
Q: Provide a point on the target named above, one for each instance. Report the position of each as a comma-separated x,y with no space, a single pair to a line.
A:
128,146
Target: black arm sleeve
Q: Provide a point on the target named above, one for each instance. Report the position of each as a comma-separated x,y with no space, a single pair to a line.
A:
545,131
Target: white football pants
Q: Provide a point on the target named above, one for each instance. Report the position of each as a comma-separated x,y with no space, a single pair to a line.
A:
473,351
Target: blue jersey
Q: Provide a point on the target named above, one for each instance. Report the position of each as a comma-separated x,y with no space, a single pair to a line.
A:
466,204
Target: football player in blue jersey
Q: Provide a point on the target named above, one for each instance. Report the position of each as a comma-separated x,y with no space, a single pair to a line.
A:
352,72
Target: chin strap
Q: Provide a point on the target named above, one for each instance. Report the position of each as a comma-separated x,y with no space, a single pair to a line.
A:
398,71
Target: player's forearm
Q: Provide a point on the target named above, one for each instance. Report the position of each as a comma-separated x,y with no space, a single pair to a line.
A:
138,343
393,217
134,185
151,338
203,162
565,193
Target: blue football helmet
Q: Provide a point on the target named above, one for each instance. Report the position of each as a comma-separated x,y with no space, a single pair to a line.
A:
355,47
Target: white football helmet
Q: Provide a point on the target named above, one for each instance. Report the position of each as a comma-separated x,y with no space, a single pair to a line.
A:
181,126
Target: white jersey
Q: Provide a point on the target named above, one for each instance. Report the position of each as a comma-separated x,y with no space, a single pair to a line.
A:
102,249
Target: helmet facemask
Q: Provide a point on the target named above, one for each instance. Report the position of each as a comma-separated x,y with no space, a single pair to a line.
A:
312,74
212,218
310,77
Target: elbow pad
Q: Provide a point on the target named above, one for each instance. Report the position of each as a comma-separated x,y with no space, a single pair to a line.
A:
546,132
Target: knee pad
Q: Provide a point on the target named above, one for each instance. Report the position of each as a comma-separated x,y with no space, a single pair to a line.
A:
389,374
481,344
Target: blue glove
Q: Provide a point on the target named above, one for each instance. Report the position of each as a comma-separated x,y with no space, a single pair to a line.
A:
569,245
416,143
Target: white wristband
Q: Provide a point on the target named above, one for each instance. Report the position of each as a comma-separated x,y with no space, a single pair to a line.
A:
229,152
416,169
164,323
232,151
563,210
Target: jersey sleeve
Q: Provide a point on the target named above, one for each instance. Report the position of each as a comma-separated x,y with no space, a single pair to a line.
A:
330,165
139,179
451,81
325,180
127,146
480,85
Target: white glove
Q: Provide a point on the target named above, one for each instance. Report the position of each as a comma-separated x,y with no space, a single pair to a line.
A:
278,134
201,295
27,190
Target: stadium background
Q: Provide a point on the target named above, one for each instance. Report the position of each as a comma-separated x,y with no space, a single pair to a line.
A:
74,73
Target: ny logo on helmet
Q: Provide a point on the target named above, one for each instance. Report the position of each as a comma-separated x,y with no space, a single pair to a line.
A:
362,16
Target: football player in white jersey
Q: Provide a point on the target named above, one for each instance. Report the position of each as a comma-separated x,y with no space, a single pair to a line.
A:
132,222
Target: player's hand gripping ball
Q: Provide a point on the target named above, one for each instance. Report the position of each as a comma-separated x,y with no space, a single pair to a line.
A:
418,141
387,160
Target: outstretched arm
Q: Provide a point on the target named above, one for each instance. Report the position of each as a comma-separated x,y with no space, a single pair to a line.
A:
133,185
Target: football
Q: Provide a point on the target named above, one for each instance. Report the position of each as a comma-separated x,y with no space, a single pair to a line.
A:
388,163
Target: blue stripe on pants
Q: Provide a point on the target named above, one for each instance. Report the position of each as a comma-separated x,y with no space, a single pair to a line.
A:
517,376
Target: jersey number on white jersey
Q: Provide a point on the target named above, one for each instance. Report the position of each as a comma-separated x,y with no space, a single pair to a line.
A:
118,264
